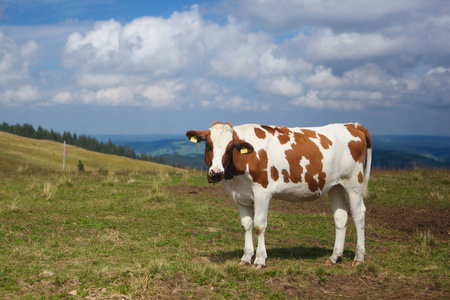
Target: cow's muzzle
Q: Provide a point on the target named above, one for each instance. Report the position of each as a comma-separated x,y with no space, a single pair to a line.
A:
215,176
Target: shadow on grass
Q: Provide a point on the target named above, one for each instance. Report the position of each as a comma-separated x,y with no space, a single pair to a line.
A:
297,252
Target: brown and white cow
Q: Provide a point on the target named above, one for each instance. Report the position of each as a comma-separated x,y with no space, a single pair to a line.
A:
257,163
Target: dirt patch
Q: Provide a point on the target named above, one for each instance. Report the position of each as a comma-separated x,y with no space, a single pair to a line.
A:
365,286
412,221
409,220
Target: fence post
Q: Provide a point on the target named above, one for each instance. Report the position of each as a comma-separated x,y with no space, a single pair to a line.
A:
64,158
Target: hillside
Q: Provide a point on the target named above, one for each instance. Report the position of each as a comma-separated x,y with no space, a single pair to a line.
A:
24,153
387,159
436,148
168,147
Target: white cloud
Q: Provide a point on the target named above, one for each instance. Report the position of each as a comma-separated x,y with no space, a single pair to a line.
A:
164,93
438,70
281,86
151,49
15,60
325,45
323,78
235,103
62,98
313,100
114,96
23,94
98,45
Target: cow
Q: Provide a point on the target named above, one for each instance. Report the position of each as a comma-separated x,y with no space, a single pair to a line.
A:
256,163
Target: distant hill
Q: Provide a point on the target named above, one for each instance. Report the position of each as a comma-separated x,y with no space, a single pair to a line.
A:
169,147
387,159
390,151
18,152
434,147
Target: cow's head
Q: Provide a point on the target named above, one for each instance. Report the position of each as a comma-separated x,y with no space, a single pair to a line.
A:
221,143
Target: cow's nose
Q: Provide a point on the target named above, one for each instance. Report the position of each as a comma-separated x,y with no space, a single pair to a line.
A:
215,175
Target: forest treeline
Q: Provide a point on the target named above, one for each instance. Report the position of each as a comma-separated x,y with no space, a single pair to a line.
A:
82,141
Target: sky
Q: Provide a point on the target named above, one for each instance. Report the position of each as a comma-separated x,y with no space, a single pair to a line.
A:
165,67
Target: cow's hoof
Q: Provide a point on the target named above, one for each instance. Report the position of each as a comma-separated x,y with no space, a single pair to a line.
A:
357,263
259,267
329,263
243,263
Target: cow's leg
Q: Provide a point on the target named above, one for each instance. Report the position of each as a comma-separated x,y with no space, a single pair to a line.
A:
339,209
359,212
246,213
260,221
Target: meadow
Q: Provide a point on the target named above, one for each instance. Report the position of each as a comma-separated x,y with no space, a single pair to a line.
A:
132,235
125,231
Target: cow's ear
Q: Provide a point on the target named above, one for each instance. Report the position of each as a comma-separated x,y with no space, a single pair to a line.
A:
197,136
242,146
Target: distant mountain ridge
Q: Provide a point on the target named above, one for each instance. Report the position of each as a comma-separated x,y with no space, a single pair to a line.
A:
433,147
389,151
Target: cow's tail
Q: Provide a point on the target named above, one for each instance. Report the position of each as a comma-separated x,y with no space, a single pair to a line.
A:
368,164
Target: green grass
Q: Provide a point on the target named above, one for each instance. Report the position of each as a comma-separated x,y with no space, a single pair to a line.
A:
416,188
124,233
146,231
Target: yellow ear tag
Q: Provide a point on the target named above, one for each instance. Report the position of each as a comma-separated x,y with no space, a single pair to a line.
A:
194,139
244,150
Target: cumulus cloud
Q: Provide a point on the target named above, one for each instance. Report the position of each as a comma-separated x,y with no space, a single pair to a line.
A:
325,45
21,95
340,55
16,85
282,86
313,100
164,93
62,98
182,46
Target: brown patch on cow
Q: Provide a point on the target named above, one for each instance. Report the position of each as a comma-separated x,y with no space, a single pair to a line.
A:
257,165
284,139
305,147
324,141
269,129
285,175
309,133
283,134
358,148
261,134
274,173
258,168
360,177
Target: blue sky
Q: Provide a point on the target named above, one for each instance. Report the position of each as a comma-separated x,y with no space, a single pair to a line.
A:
144,67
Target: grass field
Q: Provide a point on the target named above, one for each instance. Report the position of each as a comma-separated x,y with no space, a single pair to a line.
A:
137,234
19,153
